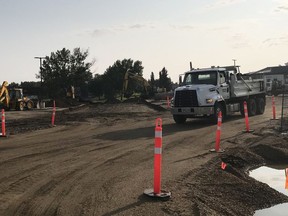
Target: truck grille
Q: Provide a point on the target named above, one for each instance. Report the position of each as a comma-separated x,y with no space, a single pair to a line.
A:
186,98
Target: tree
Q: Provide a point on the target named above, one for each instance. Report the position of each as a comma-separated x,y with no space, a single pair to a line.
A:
96,86
64,69
14,85
164,80
30,88
152,83
113,77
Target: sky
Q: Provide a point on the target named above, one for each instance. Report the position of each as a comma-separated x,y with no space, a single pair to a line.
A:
159,33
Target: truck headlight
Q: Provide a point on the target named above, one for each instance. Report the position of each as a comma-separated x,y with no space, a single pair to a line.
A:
209,100
172,102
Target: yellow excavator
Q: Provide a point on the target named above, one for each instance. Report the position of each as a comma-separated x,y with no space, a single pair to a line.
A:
13,98
139,79
4,95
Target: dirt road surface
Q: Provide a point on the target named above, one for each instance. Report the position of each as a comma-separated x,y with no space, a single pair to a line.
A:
98,160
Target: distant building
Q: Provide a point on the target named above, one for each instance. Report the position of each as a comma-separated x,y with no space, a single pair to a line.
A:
275,78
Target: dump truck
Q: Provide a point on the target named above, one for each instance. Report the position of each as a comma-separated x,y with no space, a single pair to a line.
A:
207,91
13,98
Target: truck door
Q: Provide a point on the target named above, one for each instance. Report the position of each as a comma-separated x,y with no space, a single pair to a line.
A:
223,86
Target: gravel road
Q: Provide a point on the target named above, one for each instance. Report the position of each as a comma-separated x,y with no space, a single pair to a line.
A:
98,160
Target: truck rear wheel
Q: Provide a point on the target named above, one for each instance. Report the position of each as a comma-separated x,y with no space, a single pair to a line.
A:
30,105
20,106
260,105
179,119
252,107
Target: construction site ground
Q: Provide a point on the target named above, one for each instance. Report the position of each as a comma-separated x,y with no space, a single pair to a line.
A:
98,160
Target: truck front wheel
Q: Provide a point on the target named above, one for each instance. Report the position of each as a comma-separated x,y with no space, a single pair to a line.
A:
218,108
179,119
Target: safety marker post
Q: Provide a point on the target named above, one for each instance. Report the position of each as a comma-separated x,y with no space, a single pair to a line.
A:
286,174
168,102
156,191
273,108
53,114
218,135
223,166
3,131
248,130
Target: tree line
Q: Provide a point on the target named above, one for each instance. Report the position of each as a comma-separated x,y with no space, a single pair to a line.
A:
65,68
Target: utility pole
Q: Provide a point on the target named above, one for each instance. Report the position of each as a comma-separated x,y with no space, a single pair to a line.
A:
41,81
234,60
40,67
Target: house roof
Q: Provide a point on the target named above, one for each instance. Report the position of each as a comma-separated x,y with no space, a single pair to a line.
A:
273,70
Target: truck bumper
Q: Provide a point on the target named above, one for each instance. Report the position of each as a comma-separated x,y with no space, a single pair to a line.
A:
192,111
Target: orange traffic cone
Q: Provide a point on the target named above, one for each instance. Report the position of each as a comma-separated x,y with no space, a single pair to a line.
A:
248,130
3,134
273,109
53,115
168,102
218,135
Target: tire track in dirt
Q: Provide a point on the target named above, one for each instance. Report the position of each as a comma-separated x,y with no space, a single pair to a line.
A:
44,197
67,184
109,176
28,156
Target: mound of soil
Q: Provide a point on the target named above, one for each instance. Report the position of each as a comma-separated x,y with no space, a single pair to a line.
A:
112,101
210,190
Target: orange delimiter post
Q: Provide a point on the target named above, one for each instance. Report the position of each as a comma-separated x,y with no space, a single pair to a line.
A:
158,156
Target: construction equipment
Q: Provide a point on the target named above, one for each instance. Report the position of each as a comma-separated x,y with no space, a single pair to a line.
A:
14,99
4,95
205,92
139,79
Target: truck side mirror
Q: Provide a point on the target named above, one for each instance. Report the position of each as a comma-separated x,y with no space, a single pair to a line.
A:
180,80
232,78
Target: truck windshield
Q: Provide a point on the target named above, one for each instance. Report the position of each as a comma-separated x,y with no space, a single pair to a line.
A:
203,77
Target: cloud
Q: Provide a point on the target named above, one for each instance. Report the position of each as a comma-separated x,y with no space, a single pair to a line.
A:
97,32
100,32
276,41
281,9
142,26
239,40
224,3
282,6
137,26
182,27
221,29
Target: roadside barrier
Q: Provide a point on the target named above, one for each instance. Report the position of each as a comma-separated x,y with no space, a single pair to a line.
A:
53,114
273,108
156,191
286,174
248,130
3,133
218,135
